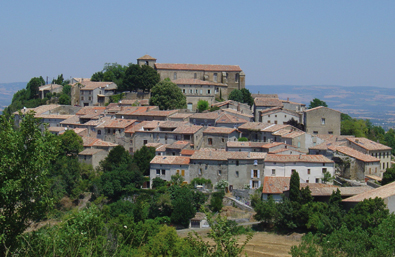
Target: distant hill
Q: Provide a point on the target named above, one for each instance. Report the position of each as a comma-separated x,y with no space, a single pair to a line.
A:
374,103
7,90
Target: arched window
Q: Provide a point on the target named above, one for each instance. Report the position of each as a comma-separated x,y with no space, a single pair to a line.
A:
237,77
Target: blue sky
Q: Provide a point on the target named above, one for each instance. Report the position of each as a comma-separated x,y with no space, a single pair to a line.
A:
348,43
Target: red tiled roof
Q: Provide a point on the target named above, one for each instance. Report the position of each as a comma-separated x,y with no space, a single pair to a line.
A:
120,123
354,153
146,57
275,185
178,145
188,152
297,158
218,130
177,160
90,85
267,102
293,134
242,144
191,129
201,67
90,151
229,118
273,144
89,141
320,107
368,144
382,192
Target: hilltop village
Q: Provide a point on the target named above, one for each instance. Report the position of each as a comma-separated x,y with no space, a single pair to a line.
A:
248,146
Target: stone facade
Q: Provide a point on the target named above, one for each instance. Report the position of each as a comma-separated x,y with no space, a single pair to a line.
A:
322,120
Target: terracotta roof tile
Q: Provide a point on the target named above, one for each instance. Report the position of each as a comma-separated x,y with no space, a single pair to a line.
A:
206,115
178,145
187,152
273,144
155,145
275,127
354,153
120,123
201,67
229,118
40,109
181,115
320,107
218,130
294,134
54,116
382,192
147,57
91,110
275,185
174,160
191,129
297,158
242,144
368,144
90,151
101,143
49,87
267,102
255,126
89,141
91,85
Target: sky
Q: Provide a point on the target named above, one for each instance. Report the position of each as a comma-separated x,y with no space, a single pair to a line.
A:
346,43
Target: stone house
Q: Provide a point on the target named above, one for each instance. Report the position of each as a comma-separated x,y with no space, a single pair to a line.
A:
128,112
322,120
278,115
240,169
217,137
235,106
244,146
195,90
229,121
166,166
49,88
293,106
275,187
180,117
311,168
353,164
114,130
205,119
241,114
231,75
369,147
263,103
92,156
89,93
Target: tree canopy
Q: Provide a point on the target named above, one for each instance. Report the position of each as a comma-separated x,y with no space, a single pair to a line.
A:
243,96
202,105
317,102
140,77
25,157
168,96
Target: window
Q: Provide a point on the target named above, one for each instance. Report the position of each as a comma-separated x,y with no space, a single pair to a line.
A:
237,174
99,132
183,173
200,172
307,181
215,77
90,98
146,62
323,170
255,173
158,172
317,180
219,172
237,163
315,132
210,141
196,91
298,144
383,165
178,172
90,92
108,131
323,121
285,116
223,140
268,121
175,75
255,184
330,132
183,90
195,75
163,172
275,116
237,77
208,91
201,91
275,122
174,153
370,170
145,142
308,171
268,115
379,155
82,98
273,171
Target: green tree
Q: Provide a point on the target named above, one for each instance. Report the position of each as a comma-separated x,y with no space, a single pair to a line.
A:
25,157
71,143
216,201
294,187
140,77
64,99
243,139
202,105
317,102
59,80
33,87
236,95
66,90
143,157
247,98
167,96
266,211
367,214
184,209
158,182
388,176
